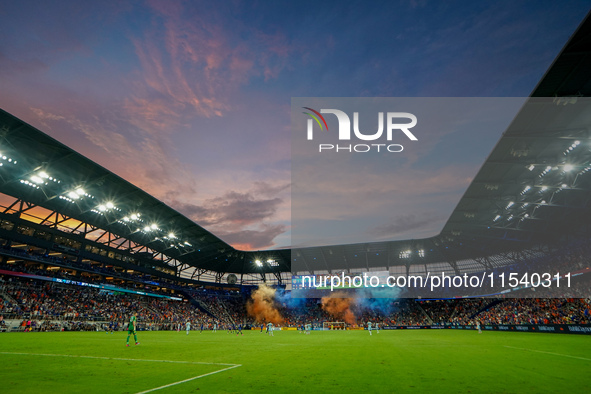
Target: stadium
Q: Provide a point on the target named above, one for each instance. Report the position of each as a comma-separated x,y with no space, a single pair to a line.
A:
83,250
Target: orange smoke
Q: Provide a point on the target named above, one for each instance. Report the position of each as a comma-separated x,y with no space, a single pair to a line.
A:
262,307
339,307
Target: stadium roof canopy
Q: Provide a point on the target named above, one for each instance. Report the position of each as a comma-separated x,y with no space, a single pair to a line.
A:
533,188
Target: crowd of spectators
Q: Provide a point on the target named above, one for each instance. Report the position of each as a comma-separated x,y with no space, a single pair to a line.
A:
538,311
42,305
48,305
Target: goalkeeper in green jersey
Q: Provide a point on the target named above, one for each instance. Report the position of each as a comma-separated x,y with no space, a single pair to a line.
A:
131,328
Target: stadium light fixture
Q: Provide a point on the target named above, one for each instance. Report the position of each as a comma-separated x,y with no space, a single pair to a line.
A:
258,263
36,179
147,229
272,263
154,226
546,170
110,205
102,208
586,169
568,167
73,195
511,203
25,182
135,216
572,147
531,167
405,254
8,159
496,218
171,235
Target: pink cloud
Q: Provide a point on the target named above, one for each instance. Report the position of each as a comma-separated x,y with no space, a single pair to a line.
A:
195,66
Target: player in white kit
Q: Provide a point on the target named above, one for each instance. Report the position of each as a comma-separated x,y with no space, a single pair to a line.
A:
270,329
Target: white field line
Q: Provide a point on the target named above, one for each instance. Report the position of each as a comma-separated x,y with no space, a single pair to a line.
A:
188,380
552,353
229,366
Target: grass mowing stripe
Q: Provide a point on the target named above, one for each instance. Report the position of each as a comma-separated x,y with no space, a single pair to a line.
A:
555,354
115,358
188,380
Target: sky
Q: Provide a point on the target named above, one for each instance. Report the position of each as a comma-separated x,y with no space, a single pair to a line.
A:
191,100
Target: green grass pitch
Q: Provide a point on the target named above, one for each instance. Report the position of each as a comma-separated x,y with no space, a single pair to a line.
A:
323,362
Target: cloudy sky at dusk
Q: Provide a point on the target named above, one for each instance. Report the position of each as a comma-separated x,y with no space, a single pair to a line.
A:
190,100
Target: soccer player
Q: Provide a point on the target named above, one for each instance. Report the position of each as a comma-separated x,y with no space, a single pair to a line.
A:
131,328
308,327
188,327
111,324
378,327
270,329
239,329
215,326
369,327
263,325
478,326
201,330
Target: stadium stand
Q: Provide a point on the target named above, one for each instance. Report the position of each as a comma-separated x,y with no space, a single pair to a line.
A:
34,305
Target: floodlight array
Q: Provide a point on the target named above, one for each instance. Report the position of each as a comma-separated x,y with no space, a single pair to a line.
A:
405,254
42,179
572,147
6,160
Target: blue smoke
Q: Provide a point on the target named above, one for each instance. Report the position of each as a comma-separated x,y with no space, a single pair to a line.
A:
283,297
377,299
